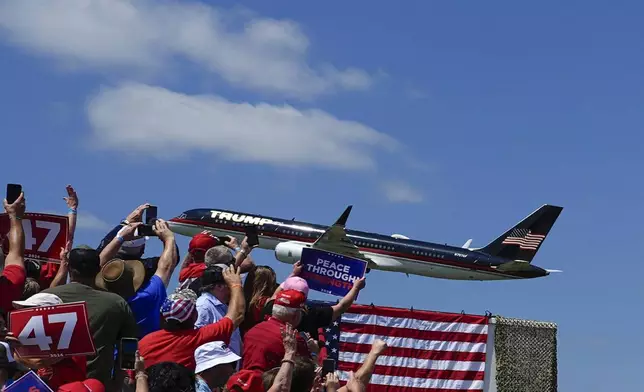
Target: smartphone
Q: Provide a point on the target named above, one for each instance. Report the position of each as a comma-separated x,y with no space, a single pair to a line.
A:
150,215
251,235
145,230
328,366
127,352
222,239
13,192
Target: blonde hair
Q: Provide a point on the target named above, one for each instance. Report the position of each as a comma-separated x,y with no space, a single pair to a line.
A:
261,282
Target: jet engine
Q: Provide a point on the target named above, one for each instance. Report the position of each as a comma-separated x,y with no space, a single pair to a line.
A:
289,252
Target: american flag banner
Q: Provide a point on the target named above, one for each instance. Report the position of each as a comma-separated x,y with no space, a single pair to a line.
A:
524,238
427,351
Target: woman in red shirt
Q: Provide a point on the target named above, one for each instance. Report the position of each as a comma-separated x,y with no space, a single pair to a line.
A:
259,286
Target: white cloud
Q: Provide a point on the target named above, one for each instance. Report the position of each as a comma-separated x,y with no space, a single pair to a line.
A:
401,192
158,122
88,221
253,52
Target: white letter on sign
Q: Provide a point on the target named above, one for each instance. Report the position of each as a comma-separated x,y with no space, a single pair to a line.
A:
30,241
70,320
36,326
53,229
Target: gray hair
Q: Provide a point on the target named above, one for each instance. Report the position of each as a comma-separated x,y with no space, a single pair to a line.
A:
30,288
219,254
289,315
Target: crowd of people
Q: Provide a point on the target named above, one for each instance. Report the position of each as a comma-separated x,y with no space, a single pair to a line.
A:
228,326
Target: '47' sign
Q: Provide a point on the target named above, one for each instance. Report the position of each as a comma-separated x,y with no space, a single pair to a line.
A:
45,234
52,331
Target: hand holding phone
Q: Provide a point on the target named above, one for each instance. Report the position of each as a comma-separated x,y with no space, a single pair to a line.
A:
150,215
252,239
13,192
127,353
145,231
328,366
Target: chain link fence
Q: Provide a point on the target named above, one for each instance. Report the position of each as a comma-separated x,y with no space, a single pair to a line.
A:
526,355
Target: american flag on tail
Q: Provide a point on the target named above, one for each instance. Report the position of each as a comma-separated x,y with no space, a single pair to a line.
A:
428,351
524,238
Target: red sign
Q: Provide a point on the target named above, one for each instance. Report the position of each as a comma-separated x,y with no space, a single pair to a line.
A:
52,331
45,234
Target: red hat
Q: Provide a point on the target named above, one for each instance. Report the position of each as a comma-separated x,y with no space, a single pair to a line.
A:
290,298
89,385
202,241
247,381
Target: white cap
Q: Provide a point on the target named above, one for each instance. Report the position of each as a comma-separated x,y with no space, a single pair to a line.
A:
212,354
40,299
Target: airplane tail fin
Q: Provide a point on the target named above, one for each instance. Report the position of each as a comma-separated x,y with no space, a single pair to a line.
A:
524,240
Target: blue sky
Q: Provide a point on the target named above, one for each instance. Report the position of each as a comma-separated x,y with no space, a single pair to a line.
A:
441,121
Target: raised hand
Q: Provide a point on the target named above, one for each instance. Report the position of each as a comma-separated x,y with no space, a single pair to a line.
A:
64,254
311,343
162,230
378,346
72,198
289,337
360,283
355,384
137,214
232,276
17,208
232,242
297,268
245,247
127,232
332,382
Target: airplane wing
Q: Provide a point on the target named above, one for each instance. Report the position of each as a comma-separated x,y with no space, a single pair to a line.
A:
335,239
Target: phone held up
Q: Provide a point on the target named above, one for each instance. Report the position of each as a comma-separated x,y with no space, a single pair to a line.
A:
13,192
146,229
328,366
251,236
127,353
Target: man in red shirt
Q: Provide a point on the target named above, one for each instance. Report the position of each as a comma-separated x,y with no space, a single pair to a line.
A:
13,276
178,340
263,344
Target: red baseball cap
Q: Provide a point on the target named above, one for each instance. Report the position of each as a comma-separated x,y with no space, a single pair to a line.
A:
89,385
246,381
202,241
290,299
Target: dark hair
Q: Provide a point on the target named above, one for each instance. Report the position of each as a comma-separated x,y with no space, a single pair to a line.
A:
84,263
303,374
174,325
32,269
212,276
150,264
170,377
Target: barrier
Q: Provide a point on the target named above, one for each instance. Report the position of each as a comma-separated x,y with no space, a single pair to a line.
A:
520,355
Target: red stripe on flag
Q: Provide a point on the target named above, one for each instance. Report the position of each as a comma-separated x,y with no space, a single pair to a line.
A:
399,371
387,388
419,315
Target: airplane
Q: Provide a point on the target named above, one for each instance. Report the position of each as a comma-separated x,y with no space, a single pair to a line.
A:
507,257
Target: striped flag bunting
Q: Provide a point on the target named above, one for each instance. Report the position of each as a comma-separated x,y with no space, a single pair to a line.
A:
428,351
